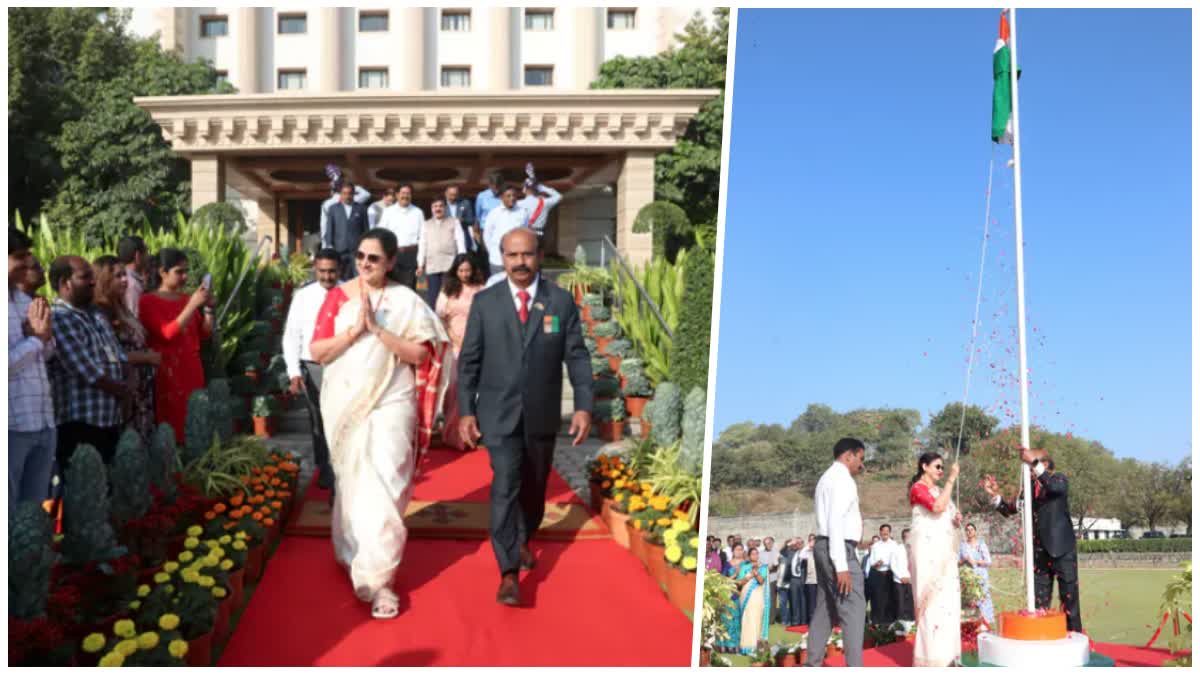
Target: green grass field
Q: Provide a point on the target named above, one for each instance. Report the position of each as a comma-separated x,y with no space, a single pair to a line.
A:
1118,606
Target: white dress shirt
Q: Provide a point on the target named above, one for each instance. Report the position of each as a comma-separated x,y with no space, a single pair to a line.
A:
769,558
798,562
405,222
532,290
360,195
375,213
838,517
301,321
500,221
882,551
899,563
530,204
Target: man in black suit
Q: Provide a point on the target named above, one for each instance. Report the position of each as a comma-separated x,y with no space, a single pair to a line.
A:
347,222
1053,534
519,333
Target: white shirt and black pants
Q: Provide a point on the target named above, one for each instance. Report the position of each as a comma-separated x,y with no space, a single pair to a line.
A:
880,583
900,571
839,529
406,222
297,340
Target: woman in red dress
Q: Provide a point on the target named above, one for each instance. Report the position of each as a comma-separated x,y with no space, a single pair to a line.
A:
174,327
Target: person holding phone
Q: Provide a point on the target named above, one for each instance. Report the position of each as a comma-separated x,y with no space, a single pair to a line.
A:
176,322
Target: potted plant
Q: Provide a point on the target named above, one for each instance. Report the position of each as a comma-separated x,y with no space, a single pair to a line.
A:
599,478
800,649
590,302
611,417
762,657
264,410
715,606
597,315
601,366
605,388
617,350
834,645
681,552
605,332
636,388
616,510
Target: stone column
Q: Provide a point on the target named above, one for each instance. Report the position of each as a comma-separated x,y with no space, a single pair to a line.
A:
208,180
329,49
635,189
568,228
246,25
170,21
499,51
588,45
408,63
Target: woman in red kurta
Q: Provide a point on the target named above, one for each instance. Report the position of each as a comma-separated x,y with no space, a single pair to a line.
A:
174,327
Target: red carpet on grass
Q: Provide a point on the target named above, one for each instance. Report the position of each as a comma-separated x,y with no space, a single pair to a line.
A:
588,603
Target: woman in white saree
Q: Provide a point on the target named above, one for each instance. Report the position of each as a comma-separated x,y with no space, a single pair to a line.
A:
387,367
934,563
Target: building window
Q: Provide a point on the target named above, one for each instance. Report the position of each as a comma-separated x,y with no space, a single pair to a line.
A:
293,24
372,22
222,76
622,19
372,78
291,80
214,26
539,19
456,77
457,20
539,76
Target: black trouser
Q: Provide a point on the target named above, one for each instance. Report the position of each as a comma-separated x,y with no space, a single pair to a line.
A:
405,270
520,469
779,604
312,398
810,602
74,434
1066,570
434,282
904,602
797,605
346,268
882,591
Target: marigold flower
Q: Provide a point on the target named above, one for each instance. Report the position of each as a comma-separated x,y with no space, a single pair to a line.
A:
689,562
178,648
195,531
226,564
663,522
186,556
124,628
674,553
191,542
270,494
681,525
277,504
269,522
276,481
258,516
240,535
606,484
637,524
207,581
230,526
161,578
211,561
209,515
170,566
239,545
219,592
113,659
148,640
93,643
126,647
143,590
225,539
695,542
191,576
236,500
219,507
135,604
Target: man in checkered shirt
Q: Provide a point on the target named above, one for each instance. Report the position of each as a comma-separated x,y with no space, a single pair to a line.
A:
31,431
88,368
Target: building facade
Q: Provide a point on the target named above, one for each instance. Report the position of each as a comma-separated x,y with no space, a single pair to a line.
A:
427,96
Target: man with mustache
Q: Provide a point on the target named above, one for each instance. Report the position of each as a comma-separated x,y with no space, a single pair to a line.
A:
518,336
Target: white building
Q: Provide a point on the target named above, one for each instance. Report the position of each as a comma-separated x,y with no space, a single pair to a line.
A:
430,96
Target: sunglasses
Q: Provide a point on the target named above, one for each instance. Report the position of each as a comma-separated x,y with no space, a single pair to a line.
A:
373,258
937,467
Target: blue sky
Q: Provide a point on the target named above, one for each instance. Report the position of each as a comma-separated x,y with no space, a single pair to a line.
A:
855,212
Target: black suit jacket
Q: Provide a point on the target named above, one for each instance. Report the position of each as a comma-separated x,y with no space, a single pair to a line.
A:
1051,514
517,370
343,233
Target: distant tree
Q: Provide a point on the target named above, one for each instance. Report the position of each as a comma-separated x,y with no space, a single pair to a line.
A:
944,427
1147,493
816,417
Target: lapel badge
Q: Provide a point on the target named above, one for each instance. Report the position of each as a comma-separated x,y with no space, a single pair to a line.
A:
539,306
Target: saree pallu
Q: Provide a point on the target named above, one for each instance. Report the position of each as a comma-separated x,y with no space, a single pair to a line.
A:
754,607
936,595
379,418
732,619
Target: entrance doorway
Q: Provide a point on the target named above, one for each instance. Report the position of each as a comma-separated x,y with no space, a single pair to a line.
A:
303,218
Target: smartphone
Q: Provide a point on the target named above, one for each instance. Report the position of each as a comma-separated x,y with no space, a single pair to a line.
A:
207,282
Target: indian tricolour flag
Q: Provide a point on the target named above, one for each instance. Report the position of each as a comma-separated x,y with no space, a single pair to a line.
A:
1002,130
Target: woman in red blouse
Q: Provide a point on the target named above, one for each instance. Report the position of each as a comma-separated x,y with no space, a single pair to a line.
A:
934,564
175,324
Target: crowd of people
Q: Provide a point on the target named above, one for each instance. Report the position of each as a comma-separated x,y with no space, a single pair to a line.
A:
116,348
834,577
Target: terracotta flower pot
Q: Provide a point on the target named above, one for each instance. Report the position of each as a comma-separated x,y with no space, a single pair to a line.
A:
616,524
614,362
802,657
705,656
597,495
637,545
602,344
785,660
635,405
681,588
611,431
656,564
199,653
578,293
264,427
646,428
586,312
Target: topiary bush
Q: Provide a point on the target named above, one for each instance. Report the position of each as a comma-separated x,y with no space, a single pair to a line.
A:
198,429
616,410
87,533
221,405
689,351
162,460
30,558
691,452
665,414
669,225
130,479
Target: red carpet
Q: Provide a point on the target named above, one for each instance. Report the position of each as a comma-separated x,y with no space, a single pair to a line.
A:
589,603
899,654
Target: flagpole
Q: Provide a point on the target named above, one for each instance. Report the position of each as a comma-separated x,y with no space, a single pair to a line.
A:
1026,479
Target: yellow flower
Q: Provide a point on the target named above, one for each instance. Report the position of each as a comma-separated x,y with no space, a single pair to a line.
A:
669,537
240,535
195,531
674,553
126,647
191,542
680,525
210,543
225,539
219,592
148,640
124,628
210,561
619,483
143,590
689,563
93,643
171,566
168,621
637,524
663,522
191,576
239,545
207,581
161,578
695,542
186,556
619,497
113,659
217,552
661,503
135,604
178,648
226,564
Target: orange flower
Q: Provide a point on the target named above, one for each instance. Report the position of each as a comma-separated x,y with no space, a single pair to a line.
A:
276,482
259,488
236,500
219,508
230,525
290,467
258,516
268,522
256,470
209,515
270,493
277,504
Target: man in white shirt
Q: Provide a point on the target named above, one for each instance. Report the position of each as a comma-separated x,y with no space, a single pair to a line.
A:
839,579
902,578
539,206
361,196
375,211
405,220
501,220
304,372
880,586
768,556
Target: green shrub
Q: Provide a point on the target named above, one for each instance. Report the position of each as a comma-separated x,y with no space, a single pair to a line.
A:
607,329
689,356
265,406
601,314
1179,545
30,559
605,387
198,430
666,412
609,410
590,343
130,479
221,407
632,365
87,533
162,461
620,348
669,225
636,383
593,300
601,366
695,409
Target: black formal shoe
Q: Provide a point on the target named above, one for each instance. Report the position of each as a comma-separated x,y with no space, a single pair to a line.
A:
325,478
528,562
509,594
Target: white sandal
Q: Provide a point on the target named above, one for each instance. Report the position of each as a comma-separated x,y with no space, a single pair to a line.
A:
385,605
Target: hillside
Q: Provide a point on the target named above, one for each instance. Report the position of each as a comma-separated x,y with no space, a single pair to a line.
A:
879,494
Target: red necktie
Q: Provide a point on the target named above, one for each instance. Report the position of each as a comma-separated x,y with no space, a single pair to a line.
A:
523,311
1037,488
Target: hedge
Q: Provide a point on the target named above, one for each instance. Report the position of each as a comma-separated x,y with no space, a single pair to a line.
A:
689,355
1180,545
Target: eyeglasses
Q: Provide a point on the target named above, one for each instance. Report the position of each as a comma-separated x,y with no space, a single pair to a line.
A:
938,467
373,258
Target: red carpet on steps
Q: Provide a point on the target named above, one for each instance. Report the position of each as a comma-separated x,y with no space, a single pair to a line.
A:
588,603
899,654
